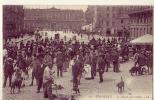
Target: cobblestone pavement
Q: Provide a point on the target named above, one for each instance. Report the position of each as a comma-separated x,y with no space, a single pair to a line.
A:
140,87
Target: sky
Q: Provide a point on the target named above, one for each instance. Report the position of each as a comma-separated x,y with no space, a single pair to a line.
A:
74,7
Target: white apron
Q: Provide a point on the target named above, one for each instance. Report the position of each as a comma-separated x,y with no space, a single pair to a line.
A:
87,73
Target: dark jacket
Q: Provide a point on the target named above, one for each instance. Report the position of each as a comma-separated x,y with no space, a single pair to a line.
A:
115,56
141,60
38,70
101,63
107,57
8,68
76,69
59,59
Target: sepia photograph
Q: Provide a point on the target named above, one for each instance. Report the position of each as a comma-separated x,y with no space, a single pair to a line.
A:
77,52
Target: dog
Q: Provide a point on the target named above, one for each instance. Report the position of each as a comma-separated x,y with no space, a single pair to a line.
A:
120,86
134,70
16,80
58,87
138,70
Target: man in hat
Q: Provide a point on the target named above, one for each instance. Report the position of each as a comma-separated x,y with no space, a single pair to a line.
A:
136,55
39,72
34,52
47,61
141,61
8,71
101,66
21,45
115,58
28,49
93,64
107,60
76,69
59,62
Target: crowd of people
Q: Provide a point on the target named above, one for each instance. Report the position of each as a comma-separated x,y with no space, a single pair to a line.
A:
42,54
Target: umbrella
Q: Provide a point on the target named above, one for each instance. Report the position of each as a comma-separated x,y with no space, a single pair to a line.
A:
145,39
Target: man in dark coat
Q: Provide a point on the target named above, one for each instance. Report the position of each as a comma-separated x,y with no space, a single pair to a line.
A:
21,62
76,69
107,60
115,58
141,61
8,71
21,45
39,69
93,64
101,66
59,62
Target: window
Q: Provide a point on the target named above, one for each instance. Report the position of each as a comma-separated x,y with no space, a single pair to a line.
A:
137,32
134,33
113,8
141,31
113,15
122,21
144,20
102,22
151,30
107,8
107,15
113,24
144,31
141,20
107,23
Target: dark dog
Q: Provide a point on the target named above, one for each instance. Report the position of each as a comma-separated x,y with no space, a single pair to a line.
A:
120,86
58,87
16,81
134,70
137,70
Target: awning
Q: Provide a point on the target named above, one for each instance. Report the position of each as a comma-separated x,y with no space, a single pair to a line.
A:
145,39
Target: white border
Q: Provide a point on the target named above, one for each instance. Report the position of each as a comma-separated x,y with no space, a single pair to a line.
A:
62,2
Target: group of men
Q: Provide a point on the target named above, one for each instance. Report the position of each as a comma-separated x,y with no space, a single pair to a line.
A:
42,54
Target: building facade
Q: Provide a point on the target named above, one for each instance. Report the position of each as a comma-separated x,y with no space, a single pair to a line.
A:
106,19
53,19
141,20
112,20
13,16
89,15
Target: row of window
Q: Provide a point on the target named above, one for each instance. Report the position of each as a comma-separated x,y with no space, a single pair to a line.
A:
140,31
136,8
47,25
75,17
142,20
108,23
